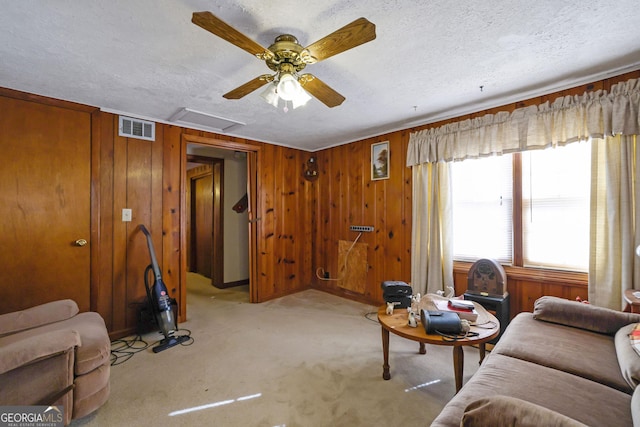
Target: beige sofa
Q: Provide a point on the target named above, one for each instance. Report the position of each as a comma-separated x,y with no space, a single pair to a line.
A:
52,355
565,364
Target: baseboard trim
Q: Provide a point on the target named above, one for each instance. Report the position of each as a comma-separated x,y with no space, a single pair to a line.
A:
233,284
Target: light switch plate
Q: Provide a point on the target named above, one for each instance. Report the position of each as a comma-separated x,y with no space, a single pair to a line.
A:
126,215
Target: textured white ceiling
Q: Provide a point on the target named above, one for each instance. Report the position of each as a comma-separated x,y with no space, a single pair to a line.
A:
145,58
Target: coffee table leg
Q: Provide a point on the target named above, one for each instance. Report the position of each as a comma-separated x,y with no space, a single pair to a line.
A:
482,347
385,353
458,365
423,348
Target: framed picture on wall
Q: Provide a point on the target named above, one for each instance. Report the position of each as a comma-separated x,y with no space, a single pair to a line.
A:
380,160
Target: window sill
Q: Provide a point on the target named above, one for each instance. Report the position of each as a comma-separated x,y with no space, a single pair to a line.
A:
534,274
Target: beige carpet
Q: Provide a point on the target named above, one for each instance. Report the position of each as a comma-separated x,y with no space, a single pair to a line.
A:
308,359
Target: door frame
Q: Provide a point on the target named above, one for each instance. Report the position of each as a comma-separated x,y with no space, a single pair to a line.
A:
253,159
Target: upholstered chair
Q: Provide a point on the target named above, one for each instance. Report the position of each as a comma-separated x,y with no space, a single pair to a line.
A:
53,355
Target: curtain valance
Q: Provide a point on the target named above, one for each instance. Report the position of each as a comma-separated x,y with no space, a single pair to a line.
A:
565,120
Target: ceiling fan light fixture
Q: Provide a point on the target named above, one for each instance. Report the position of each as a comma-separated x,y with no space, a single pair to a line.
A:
286,57
270,95
301,98
288,87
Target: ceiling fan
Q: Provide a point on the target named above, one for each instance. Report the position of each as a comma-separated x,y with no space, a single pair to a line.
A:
286,57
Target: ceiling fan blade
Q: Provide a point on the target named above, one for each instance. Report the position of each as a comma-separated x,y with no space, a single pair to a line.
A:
351,35
215,25
248,87
320,90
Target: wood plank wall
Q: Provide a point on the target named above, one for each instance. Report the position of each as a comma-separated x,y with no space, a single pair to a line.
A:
284,230
285,217
300,222
130,177
147,177
346,195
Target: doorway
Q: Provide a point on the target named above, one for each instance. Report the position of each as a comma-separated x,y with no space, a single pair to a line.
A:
205,217
244,238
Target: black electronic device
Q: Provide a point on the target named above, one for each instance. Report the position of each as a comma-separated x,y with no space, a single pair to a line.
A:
440,322
397,292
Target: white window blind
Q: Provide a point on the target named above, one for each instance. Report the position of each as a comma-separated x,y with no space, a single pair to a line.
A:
482,191
555,207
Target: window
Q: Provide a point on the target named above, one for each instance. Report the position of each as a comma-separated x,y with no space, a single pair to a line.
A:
483,209
528,209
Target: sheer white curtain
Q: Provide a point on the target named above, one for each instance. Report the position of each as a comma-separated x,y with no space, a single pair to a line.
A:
598,114
613,265
431,256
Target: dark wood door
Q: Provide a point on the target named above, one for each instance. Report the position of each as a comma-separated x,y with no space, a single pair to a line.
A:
206,219
203,218
44,204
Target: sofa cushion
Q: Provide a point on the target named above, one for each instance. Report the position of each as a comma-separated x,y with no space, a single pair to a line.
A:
37,316
628,359
579,315
578,398
505,411
577,351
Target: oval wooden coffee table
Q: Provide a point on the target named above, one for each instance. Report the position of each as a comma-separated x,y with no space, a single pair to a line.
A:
397,324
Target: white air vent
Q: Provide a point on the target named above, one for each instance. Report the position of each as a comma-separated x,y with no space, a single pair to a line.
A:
189,118
136,128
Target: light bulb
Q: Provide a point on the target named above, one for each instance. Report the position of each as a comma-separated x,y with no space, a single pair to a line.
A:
288,87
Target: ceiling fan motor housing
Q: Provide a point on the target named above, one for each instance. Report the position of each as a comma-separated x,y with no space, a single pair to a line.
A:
287,50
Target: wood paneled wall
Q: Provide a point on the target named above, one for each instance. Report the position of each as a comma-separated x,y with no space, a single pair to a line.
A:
130,177
286,220
283,213
298,223
345,195
147,177
284,216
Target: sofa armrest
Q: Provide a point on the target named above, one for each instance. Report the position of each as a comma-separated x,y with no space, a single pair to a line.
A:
497,411
39,315
579,315
17,353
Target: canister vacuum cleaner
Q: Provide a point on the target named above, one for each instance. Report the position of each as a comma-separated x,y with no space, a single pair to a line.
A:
160,302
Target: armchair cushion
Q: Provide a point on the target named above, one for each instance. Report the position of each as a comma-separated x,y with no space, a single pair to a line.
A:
31,349
37,316
94,349
54,353
579,315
